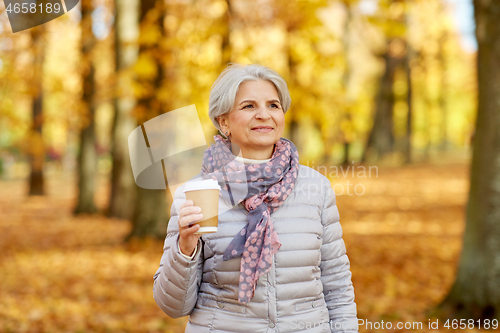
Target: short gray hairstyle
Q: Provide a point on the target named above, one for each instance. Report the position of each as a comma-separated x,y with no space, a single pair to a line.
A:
224,89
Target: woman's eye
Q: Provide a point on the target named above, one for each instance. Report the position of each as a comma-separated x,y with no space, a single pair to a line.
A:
276,105
247,105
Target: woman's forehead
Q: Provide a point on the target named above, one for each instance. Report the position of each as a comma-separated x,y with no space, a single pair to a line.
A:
257,90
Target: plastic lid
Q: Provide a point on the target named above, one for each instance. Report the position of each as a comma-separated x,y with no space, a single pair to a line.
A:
207,184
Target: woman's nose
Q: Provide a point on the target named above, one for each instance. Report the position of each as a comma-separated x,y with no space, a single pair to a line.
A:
263,113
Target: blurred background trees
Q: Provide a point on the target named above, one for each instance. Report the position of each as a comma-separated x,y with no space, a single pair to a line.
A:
373,82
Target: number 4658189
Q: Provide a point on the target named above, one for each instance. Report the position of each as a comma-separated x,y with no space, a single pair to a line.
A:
32,8
470,323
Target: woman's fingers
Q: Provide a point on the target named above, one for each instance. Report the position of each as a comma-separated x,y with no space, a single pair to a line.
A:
187,208
188,240
192,210
190,230
189,214
191,219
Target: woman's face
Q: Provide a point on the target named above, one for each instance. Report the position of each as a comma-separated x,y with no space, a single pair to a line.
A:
256,121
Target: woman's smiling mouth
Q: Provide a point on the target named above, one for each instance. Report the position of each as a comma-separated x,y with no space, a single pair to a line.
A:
263,129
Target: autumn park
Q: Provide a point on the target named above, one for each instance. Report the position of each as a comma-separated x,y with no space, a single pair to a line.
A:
391,100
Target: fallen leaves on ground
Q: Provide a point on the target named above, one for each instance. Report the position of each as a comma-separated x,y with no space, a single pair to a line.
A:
61,273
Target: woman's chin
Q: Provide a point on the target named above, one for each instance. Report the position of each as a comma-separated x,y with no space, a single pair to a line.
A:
262,138
263,135
264,143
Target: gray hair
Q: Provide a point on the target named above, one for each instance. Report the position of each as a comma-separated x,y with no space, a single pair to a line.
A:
224,89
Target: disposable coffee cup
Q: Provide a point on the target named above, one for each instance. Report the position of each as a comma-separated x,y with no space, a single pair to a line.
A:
205,194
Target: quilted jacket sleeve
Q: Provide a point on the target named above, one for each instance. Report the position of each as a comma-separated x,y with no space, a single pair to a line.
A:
335,269
177,280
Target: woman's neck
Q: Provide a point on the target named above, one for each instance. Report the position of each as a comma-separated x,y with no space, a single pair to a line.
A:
253,154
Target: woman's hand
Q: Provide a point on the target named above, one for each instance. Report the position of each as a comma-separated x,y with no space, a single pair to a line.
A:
188,216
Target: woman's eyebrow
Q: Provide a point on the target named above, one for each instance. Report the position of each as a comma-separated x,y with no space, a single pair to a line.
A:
252,101
247,100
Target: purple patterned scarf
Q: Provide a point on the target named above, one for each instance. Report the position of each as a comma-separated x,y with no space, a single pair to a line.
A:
263,188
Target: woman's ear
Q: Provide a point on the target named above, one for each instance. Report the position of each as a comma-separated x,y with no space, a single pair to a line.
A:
222,123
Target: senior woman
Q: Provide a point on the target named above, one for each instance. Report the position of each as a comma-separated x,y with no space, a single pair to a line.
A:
277,262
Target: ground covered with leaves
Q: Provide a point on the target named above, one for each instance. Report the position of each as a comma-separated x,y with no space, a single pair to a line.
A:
59,273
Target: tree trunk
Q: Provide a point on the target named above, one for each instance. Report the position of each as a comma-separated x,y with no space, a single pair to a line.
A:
150,216
428,105
292,81
87,157
476,291
226,49
442,95
346,77
123,188
381,139
36,150
345,161
407,138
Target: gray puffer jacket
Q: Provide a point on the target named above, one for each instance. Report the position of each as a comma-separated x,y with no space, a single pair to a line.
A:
308,288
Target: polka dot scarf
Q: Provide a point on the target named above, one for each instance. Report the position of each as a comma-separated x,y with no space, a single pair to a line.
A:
262,188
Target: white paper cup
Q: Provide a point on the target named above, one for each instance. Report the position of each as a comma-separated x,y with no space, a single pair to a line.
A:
205,194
